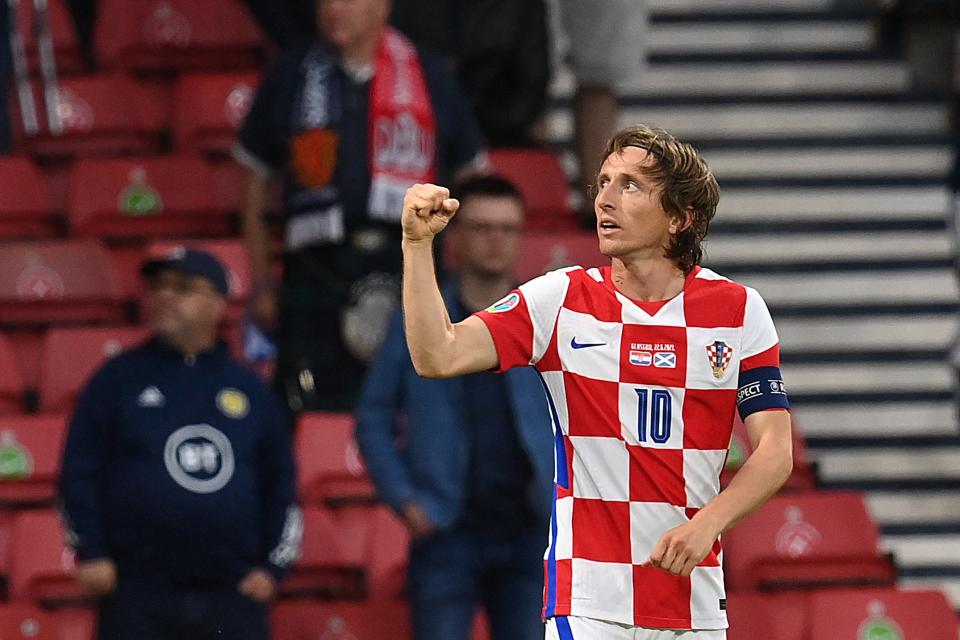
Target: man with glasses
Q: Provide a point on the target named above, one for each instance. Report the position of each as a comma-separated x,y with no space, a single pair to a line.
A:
177,486
472,478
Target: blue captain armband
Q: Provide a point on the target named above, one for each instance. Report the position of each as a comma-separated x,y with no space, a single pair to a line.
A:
761,389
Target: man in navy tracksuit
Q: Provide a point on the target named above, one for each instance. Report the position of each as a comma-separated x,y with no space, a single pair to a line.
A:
178,484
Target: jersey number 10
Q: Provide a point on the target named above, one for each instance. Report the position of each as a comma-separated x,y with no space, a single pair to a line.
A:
654,415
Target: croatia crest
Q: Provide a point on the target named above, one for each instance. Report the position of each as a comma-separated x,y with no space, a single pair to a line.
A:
719,353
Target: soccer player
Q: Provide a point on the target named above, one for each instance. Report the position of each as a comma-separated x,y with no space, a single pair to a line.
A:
644,363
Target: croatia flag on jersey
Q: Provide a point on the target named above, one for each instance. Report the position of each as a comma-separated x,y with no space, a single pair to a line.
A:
642,408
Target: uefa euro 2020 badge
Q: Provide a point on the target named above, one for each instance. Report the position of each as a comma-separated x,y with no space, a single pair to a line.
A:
719,353
877,626
506,304
233,403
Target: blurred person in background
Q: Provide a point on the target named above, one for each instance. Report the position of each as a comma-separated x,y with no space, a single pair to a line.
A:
499,51
599,65
348,123
177,484
473,477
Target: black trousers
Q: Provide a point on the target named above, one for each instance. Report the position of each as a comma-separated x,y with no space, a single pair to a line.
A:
181,615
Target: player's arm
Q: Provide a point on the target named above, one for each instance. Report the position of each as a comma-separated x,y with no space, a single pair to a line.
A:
768,467
438,348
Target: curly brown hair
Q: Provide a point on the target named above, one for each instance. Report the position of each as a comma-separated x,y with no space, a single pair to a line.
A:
685,182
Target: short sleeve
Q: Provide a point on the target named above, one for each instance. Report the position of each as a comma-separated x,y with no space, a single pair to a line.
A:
523,322
760,386
263,140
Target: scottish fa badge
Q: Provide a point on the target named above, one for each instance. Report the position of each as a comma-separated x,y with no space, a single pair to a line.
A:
719,353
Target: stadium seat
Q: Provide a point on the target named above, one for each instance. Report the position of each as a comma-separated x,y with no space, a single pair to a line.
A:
75,623
11,382
805,540
804,476
168,196
329,467
767,616
387,561
24,621
334,555
542,183
24,211
41,566
66,47
48,282
162,36
542,251
232,253
30,448
71,356
209,108
881,613
313,619
102,115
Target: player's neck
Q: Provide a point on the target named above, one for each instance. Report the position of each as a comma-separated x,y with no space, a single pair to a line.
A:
479,291
647,278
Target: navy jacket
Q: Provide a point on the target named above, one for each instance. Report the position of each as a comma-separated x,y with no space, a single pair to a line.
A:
180,470
430,465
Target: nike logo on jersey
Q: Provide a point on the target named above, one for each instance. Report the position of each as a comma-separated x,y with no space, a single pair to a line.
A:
584,345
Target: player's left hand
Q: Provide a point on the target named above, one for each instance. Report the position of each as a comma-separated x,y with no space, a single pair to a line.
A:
258,585
682,548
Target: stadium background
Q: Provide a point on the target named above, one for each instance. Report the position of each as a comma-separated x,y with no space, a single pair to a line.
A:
834,168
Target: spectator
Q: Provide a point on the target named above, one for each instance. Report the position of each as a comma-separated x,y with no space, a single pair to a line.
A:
177,485
500,50
473,480
597,71
350,122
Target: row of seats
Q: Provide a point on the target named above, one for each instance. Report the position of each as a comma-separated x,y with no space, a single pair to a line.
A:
152,36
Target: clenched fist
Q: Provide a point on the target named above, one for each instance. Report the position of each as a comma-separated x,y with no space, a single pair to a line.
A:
427,209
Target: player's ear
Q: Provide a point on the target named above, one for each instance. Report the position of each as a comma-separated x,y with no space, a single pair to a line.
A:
682,222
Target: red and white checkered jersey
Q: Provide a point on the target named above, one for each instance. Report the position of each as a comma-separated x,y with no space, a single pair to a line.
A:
643,406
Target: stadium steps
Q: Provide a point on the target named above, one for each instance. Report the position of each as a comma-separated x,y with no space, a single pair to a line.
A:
835,208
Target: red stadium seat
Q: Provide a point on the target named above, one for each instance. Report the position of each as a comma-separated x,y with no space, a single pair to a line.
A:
804,476
23,621
767,616
58,282
312,619
334,556
66,47
103,115
148,197
24,211
387,564
803,540
173,35
329,467
71,356
30,448
540,178
75,623
882,613
543,251
41,566
11,382
209,108
232,253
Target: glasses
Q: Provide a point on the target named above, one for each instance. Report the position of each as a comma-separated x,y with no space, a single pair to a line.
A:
487,228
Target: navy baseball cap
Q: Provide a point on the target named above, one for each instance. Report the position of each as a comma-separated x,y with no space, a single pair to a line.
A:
192,262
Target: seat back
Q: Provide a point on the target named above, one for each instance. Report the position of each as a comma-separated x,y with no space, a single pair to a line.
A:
71,356
804,540
540,178
11,382
30,450
882,613
543,251
41,566
329,466
24,211
24,621
46,282
767,616
169,196
209,108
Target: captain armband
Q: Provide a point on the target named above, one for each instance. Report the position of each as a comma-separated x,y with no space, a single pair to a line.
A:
761,389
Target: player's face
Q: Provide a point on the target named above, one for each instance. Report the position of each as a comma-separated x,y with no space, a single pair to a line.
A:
181,307
631,222
344,23
488,235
